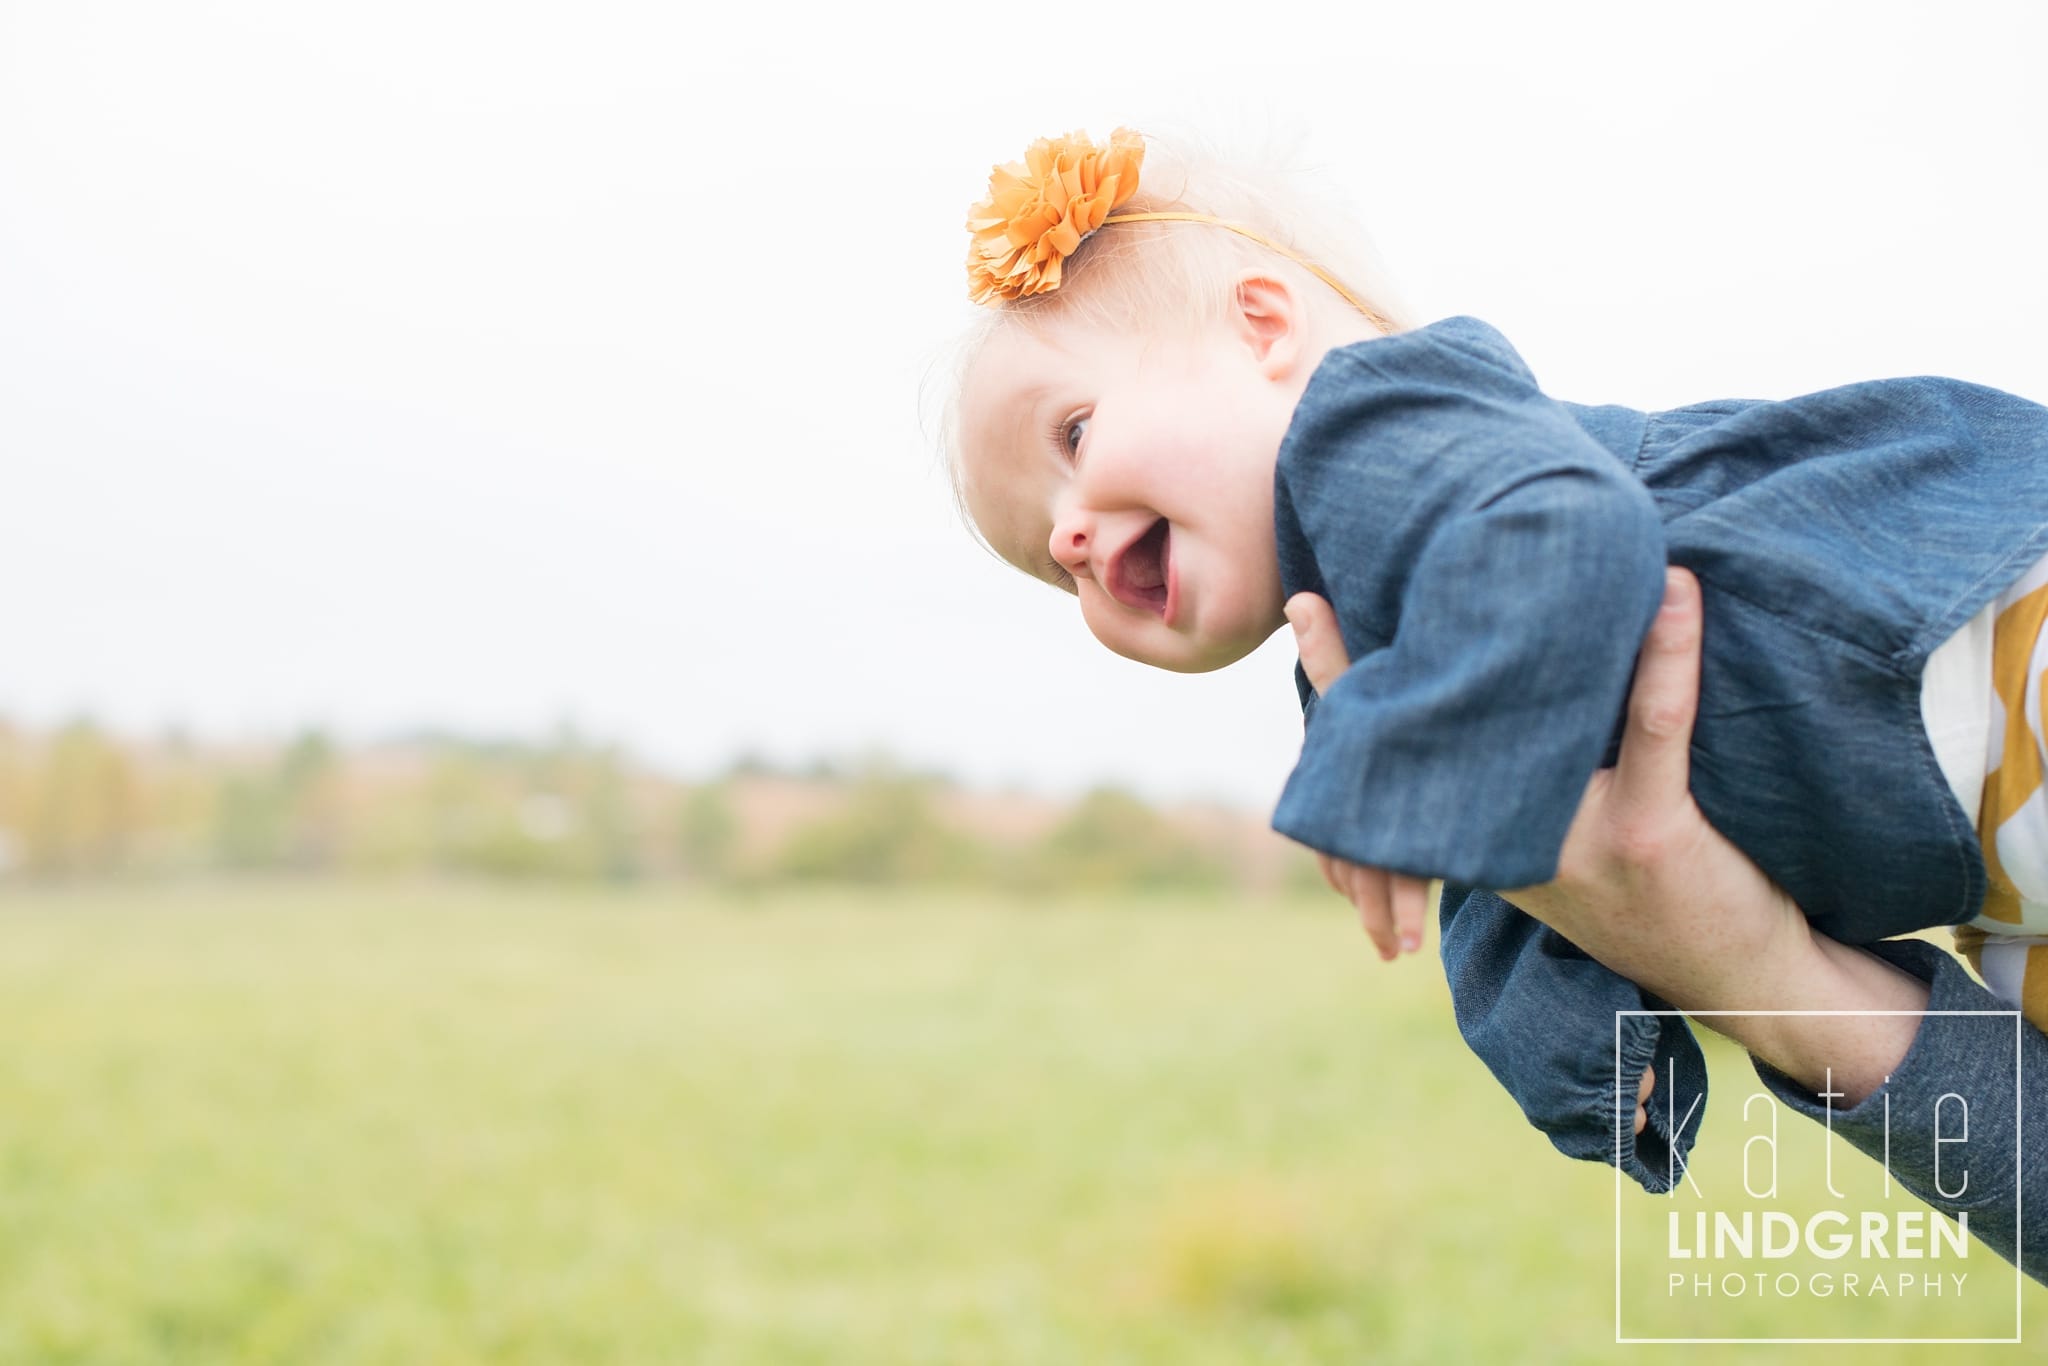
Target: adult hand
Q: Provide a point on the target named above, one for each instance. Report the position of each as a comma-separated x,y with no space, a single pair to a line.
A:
1653,891
1644,883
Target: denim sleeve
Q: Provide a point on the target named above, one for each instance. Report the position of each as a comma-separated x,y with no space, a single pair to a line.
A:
1543,1017
1983,1059
1493,569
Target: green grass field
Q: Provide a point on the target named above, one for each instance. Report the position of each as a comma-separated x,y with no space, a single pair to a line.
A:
264,1123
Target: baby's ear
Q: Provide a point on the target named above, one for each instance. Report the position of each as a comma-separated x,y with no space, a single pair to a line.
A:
1269,318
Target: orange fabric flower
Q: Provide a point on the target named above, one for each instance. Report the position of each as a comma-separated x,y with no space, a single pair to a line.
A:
1039,210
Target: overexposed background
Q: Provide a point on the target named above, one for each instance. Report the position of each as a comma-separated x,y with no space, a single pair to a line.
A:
484,365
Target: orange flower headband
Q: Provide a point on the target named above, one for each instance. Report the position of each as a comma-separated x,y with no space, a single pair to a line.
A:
1040,210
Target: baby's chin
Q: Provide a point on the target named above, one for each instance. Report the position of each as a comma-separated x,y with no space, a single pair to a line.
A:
1191,655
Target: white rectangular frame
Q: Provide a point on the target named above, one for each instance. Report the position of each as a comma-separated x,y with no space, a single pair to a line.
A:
2019,1149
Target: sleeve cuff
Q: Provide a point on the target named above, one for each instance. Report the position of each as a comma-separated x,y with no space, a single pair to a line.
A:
1655,1158
1981,1059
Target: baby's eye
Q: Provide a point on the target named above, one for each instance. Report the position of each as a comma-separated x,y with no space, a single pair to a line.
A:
1071,434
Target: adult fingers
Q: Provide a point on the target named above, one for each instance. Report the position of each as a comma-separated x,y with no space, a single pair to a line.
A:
1655,765
1649,1084
1317,639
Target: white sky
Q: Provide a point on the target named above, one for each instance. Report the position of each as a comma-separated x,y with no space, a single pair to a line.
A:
483,365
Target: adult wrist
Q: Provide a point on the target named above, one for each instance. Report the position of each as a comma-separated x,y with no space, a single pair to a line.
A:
1849,1052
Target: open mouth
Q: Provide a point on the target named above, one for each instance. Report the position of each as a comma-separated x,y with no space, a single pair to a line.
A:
1138,573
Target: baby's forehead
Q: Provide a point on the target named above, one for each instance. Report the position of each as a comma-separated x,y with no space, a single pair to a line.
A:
1001,454
1001,389
1012,368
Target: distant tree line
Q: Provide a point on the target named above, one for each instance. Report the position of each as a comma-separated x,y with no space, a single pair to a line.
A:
79,801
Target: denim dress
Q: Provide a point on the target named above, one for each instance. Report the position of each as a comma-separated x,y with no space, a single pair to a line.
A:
1494,557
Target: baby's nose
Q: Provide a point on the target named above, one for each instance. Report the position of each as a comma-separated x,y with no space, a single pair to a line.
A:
1069,545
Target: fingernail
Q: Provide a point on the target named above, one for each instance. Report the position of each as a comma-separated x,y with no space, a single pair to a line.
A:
1410,943
1671,591
1293,616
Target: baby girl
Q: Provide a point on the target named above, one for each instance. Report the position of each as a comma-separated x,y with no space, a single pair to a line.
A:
1191,398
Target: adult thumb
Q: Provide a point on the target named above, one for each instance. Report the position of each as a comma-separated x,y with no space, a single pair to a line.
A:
1317,639
1655,764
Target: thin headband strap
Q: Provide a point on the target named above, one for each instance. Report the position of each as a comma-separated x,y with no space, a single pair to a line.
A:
1372,314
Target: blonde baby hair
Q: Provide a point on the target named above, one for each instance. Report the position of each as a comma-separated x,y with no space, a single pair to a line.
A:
1161,277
